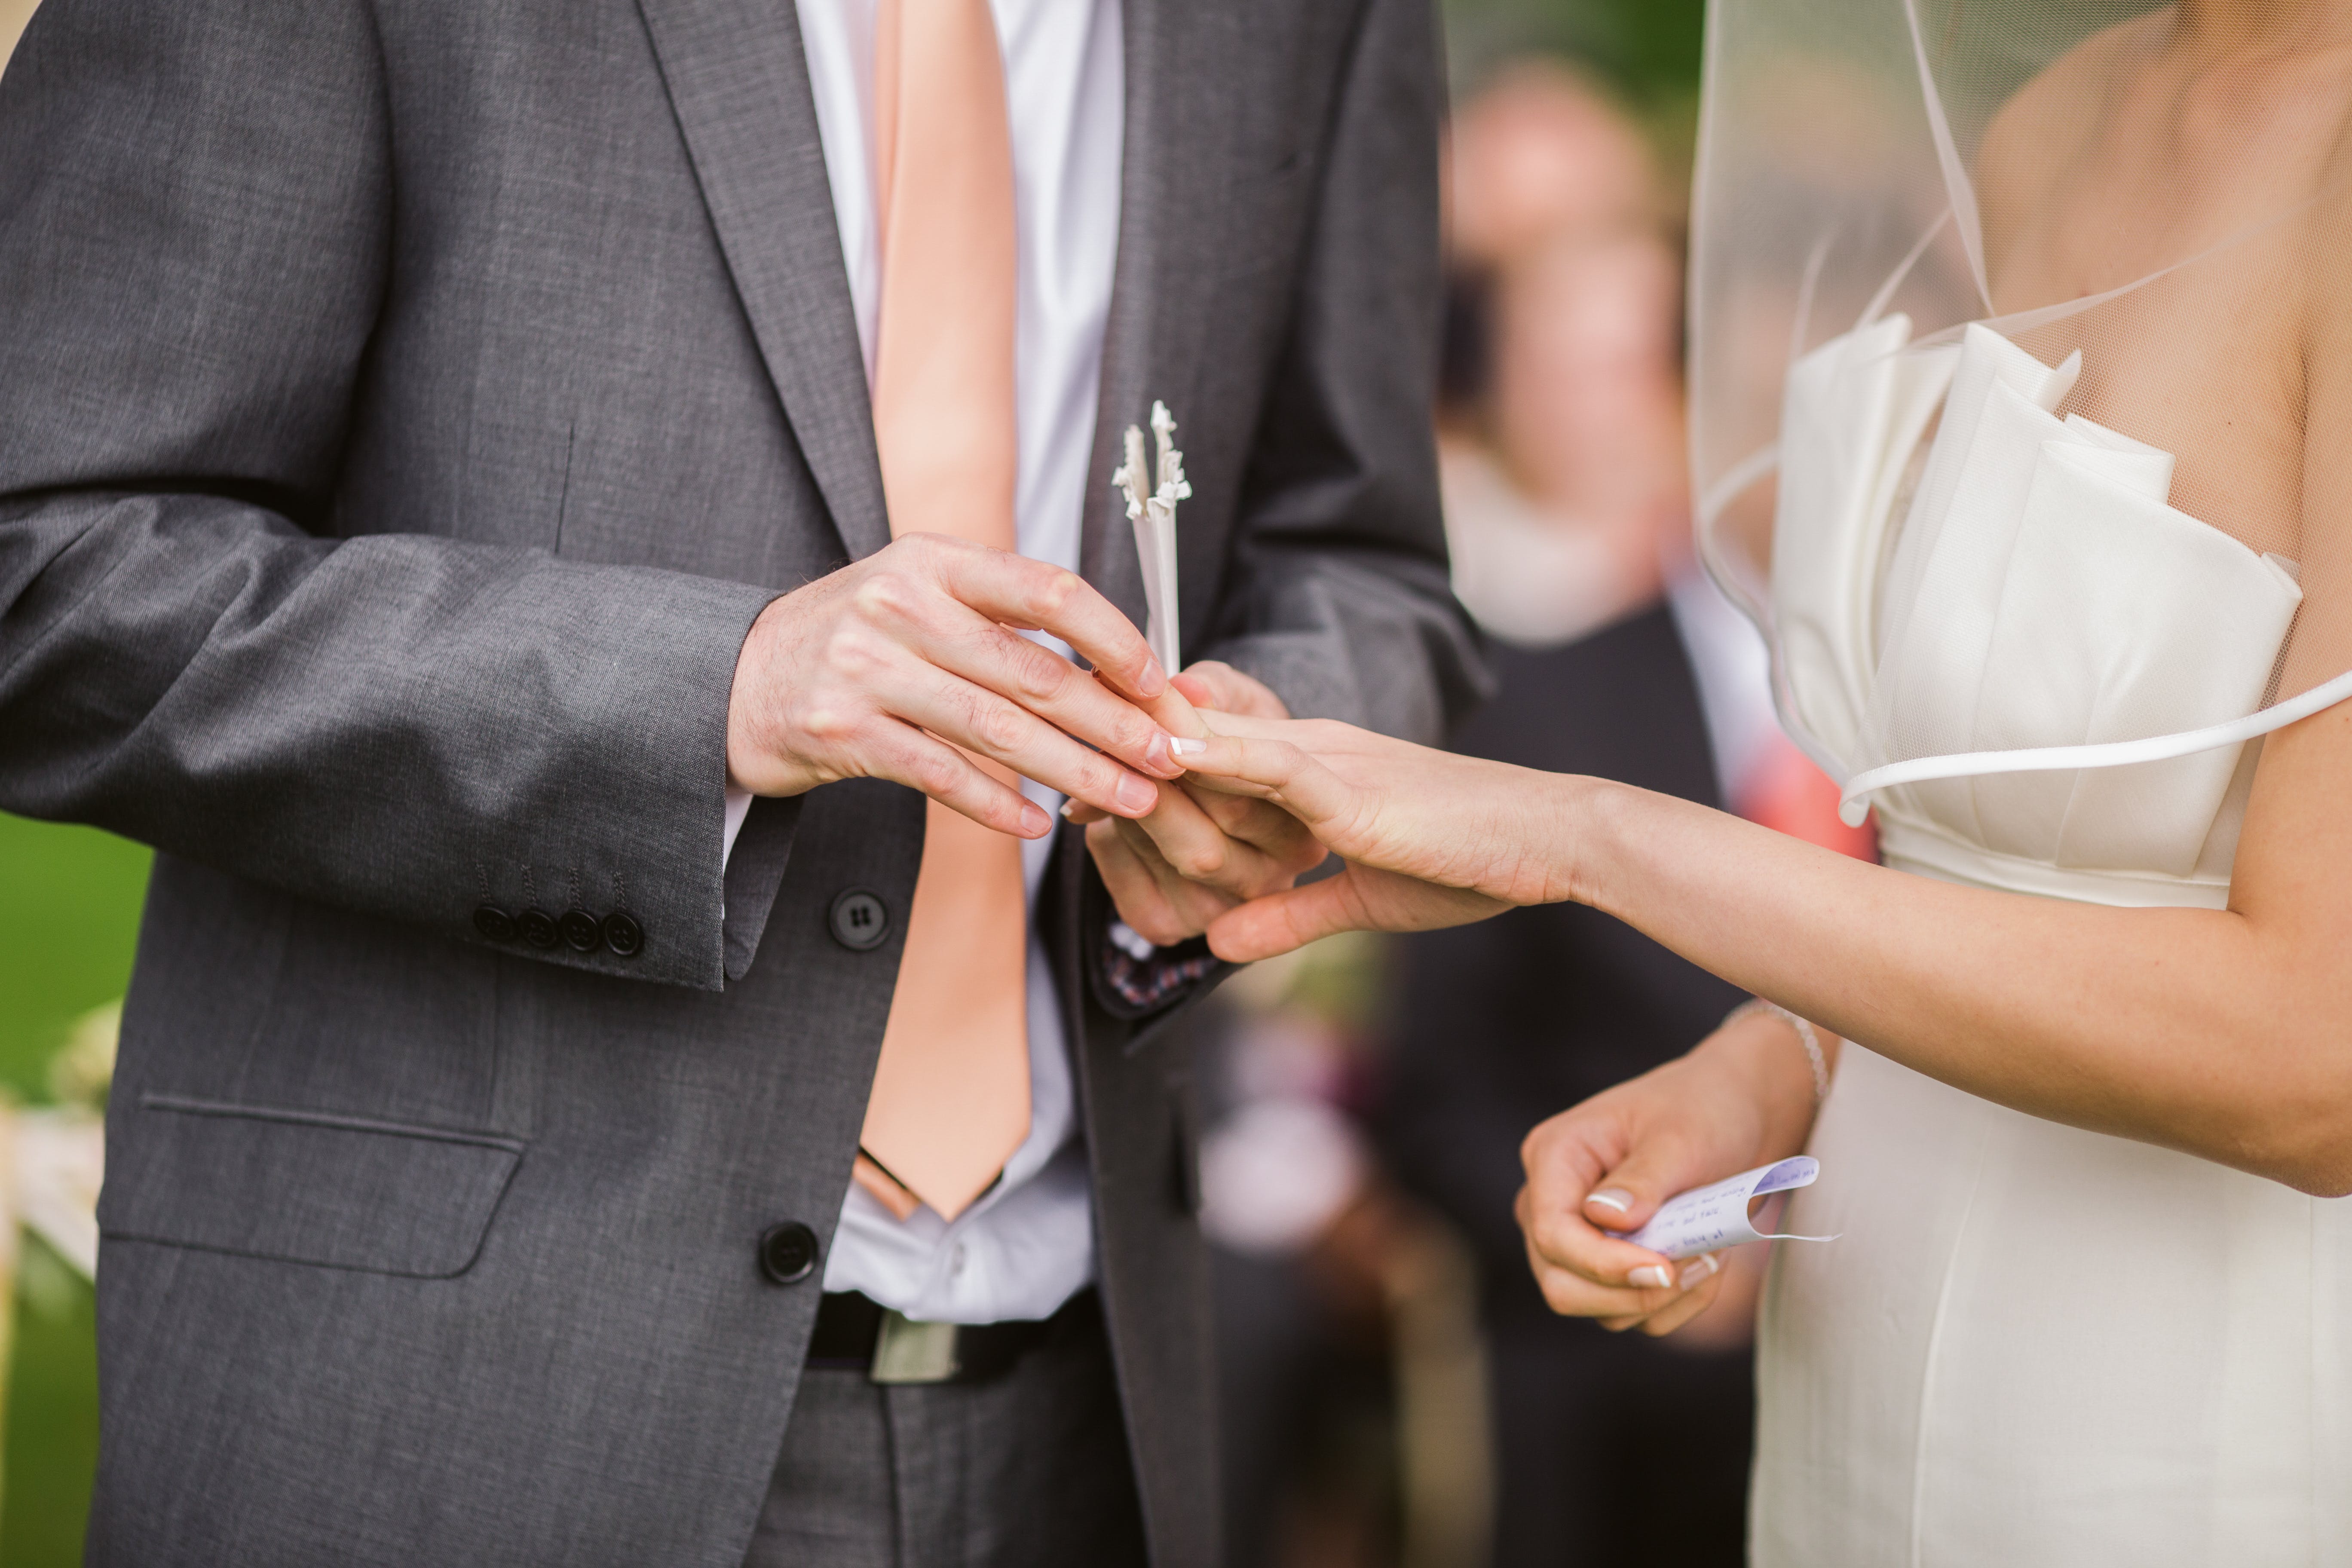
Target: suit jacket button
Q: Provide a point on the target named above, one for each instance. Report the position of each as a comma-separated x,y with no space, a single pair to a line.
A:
860,921
494,924
582,933
538,927
788,1252
624,935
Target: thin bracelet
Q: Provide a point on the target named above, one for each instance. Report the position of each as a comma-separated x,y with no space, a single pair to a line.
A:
1807,1036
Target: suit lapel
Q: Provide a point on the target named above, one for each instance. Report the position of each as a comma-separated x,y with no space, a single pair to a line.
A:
740,84
1174,155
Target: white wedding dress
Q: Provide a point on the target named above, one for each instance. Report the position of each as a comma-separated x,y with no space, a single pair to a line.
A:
2032,1345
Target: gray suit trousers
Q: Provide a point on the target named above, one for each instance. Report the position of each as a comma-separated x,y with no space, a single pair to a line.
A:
1029,1469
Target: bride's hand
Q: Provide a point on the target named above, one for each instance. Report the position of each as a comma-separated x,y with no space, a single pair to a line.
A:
1741,1099
1430,838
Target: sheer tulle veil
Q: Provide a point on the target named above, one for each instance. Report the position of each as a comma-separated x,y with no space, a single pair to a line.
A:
1924,228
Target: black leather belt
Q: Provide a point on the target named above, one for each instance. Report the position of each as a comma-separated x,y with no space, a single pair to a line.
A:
855,1332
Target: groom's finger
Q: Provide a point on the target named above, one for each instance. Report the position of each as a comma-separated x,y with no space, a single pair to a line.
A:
1263,825
1136,889
1359,898
1281,923
1199,848
1213,683
1195,904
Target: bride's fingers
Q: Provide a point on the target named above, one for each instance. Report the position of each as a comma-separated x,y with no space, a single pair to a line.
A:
1309,790
1571,1295
1575,1295
1238,788
1706,1277
1572,1235
1658,1166
1257,726
1698,1294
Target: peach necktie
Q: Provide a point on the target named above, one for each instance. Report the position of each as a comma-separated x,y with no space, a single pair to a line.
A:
951,1100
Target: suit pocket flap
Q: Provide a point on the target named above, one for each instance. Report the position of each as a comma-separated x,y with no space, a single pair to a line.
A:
306,1186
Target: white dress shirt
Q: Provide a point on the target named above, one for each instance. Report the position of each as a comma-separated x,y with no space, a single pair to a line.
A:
1028,1245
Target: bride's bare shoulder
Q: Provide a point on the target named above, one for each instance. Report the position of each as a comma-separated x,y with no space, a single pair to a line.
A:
2025,144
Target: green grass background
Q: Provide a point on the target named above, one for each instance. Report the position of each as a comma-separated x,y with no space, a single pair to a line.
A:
69,902
69,897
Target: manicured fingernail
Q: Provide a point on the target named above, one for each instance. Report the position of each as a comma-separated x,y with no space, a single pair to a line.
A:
1615,1198
1034,822
1184,746
1069,811
1651,1277
1703,1266
1135,793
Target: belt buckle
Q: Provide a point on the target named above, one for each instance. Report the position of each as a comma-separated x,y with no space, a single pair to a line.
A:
906,1351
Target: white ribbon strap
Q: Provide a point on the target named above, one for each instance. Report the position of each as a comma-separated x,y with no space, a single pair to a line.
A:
1853,805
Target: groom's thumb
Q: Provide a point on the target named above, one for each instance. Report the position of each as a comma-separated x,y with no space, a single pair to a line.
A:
1275,924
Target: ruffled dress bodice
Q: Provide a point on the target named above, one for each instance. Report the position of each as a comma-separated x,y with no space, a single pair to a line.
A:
2040,591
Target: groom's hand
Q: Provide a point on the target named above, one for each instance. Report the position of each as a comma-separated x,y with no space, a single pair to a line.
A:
1199,852
873,670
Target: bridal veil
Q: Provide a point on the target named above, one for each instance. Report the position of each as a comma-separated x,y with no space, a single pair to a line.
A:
1972,426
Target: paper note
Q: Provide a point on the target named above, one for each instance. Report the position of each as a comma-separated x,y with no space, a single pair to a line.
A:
1706,1219
1151,494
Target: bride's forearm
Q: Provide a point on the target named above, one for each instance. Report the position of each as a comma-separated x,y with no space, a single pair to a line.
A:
2185,1027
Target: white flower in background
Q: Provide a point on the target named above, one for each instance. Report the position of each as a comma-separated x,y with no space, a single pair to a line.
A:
54,1158
1276,1172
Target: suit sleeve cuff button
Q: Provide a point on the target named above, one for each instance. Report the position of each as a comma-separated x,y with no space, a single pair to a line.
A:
581,933
624,935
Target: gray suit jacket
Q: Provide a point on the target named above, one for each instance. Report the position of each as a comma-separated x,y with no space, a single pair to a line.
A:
404,409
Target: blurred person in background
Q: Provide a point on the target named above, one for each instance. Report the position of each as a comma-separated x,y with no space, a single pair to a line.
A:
1567,512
